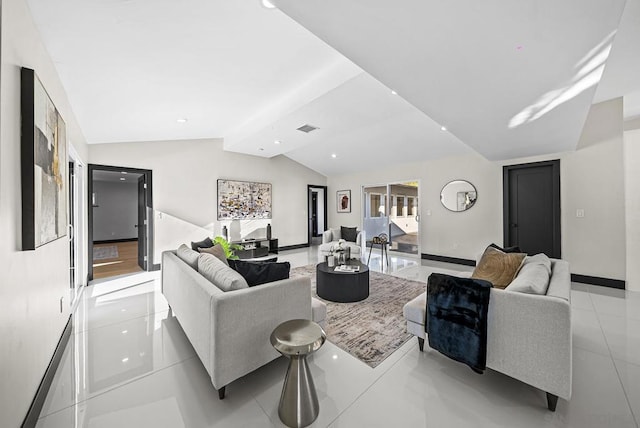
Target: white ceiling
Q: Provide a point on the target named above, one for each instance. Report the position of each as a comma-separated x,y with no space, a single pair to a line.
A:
507,78
252,75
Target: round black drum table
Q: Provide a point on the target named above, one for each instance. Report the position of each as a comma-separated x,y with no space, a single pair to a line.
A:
342,287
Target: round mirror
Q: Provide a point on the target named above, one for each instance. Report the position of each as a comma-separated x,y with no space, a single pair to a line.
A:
458,195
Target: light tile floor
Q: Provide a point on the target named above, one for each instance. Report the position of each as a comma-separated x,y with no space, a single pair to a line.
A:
128,364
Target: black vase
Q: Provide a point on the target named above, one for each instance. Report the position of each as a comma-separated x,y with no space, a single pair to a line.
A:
225,233
269,231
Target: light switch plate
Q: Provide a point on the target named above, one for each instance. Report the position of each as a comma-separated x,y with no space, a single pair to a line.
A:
580,213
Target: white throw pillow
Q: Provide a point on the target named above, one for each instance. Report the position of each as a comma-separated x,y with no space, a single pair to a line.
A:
220,275
533,277
336,234
188,256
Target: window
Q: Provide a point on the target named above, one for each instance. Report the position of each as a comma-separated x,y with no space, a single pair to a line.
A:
375,205
400,204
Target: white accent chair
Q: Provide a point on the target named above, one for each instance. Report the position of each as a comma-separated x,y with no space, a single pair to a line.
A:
331,237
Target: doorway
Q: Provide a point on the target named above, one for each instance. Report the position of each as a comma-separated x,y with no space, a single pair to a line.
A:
317,213
531,206
120,221
393,209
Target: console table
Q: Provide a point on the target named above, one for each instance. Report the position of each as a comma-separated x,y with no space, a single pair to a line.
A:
254,248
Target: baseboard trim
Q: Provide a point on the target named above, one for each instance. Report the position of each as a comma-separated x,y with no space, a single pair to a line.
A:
115,241
446,259
293,247
596,280
31,419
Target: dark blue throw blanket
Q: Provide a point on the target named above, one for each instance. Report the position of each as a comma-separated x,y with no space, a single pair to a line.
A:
456,323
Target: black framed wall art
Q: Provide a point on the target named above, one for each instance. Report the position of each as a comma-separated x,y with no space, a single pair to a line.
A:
343,201
43,165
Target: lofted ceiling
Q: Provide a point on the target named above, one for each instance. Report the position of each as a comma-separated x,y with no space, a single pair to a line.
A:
505,79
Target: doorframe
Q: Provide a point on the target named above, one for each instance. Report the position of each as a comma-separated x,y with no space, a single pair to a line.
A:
556,206
310,187
149,195
388,200
79,224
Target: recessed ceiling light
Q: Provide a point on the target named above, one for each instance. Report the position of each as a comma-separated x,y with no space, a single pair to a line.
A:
333,155
394,93
277,142
443,128
124,172
261,149
182,120
122,178
268,4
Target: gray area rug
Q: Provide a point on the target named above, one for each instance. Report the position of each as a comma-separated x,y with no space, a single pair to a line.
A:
108,252
374,328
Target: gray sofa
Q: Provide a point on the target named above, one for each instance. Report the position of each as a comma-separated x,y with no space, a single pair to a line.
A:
529,336
331,237
230,330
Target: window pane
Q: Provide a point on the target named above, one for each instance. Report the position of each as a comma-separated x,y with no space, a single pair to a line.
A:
375,205
400,205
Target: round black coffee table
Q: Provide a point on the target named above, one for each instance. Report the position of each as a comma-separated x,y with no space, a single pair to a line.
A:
342,287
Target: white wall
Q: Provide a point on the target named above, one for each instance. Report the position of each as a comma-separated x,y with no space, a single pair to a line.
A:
591,179
31,282
185,175
632,199
116,215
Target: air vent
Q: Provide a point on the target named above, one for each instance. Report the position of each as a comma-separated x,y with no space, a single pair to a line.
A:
307,128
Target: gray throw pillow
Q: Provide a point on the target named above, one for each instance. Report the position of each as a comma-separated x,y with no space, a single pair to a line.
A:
349,233
205,243
188,256
220,275
533,278
217,251
539,259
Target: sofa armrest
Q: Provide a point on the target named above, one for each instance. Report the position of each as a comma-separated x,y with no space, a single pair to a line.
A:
189,296
327,235
360,238
242,323
530,339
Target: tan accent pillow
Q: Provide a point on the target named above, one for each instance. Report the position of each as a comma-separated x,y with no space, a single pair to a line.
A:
497,267
217,251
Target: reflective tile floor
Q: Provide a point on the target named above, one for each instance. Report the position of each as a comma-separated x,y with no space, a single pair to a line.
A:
128,364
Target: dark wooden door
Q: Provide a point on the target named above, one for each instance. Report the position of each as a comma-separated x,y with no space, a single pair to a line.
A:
532,207
314,213
142,222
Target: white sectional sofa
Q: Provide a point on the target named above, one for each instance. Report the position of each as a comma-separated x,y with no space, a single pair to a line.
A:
528,336
230,330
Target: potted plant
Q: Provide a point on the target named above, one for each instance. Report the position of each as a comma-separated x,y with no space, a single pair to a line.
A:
229,248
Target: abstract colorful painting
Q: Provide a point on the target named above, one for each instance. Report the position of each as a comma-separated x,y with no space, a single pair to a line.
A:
243,200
